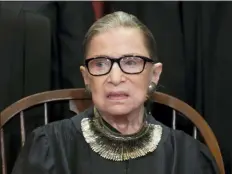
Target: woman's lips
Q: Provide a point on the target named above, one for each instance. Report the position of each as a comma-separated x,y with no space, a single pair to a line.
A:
117,96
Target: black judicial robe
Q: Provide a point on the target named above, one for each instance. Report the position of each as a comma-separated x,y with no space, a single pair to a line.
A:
69,21
60,148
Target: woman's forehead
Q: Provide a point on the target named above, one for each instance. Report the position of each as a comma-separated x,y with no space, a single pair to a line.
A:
118,42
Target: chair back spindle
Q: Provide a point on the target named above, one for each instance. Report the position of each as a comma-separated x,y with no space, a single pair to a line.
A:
173,119
3,152
45,113
22,128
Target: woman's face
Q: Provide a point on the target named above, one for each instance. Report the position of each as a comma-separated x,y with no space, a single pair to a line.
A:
118,93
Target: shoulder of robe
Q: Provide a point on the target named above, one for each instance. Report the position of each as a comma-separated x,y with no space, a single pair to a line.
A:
185,140
194,151
66,129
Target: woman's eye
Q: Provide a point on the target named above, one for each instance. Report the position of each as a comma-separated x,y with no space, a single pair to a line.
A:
100,64
130,62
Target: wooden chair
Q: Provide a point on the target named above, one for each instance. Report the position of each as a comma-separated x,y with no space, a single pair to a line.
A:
79,101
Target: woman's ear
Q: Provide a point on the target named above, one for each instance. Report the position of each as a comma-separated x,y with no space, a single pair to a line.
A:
84,73
157,70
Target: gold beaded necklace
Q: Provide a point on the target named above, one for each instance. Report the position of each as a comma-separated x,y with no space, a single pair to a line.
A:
115,146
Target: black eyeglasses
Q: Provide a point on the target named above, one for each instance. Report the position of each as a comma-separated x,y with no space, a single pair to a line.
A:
129,64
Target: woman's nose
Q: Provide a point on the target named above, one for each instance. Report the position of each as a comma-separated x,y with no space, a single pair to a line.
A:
116,74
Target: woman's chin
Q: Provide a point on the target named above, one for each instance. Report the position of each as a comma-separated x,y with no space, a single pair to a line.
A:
119,110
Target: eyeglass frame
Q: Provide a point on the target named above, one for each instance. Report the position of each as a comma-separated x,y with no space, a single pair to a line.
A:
117,60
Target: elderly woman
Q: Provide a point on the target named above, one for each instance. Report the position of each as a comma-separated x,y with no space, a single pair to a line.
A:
118,135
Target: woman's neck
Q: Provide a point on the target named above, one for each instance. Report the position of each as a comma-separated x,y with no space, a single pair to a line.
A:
126,124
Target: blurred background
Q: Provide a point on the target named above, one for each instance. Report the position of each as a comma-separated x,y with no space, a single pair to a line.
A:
41,49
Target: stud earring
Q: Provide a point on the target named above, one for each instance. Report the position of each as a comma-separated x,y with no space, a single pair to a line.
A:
151,90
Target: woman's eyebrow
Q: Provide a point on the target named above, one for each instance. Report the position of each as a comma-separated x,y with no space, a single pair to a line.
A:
108,56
